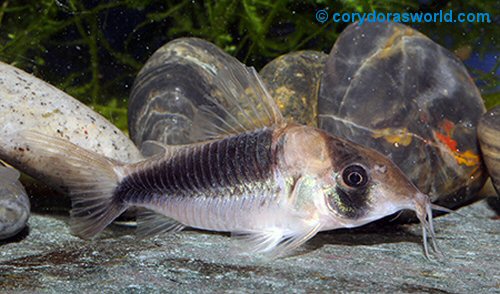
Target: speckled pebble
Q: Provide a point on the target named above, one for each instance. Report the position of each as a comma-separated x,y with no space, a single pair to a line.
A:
28,103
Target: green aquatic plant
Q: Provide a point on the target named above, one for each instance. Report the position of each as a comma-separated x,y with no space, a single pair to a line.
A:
94,49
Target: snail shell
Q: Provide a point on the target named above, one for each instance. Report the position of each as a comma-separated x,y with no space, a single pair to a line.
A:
488,132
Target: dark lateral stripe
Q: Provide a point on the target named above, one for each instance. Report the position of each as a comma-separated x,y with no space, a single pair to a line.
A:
243,163
252,160
231,161
201,167
183,178
255,149
221,163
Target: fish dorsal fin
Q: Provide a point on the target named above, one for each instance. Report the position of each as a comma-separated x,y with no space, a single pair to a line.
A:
7,175
192,91
240,103
150,223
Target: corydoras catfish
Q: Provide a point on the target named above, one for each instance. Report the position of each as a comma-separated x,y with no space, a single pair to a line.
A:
273,183
14,203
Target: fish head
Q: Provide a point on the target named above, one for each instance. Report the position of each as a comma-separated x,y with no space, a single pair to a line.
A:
362,185
354,184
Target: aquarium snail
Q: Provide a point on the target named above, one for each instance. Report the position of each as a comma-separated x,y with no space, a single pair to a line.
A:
489,139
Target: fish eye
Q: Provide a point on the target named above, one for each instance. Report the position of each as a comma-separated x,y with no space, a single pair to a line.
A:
355,176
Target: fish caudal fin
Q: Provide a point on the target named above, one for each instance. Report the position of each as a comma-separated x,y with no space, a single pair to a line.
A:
90,179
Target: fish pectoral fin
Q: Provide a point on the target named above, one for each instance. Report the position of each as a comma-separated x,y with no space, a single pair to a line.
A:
275,242
150,223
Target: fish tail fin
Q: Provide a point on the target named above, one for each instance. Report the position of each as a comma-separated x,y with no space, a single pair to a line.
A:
90,178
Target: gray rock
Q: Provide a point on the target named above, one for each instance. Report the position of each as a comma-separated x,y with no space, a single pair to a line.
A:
374,258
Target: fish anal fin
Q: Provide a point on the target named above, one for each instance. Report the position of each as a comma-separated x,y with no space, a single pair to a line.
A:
150,223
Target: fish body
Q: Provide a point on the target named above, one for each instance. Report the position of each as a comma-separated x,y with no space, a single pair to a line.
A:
210,185
14,203
277,186
287,178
